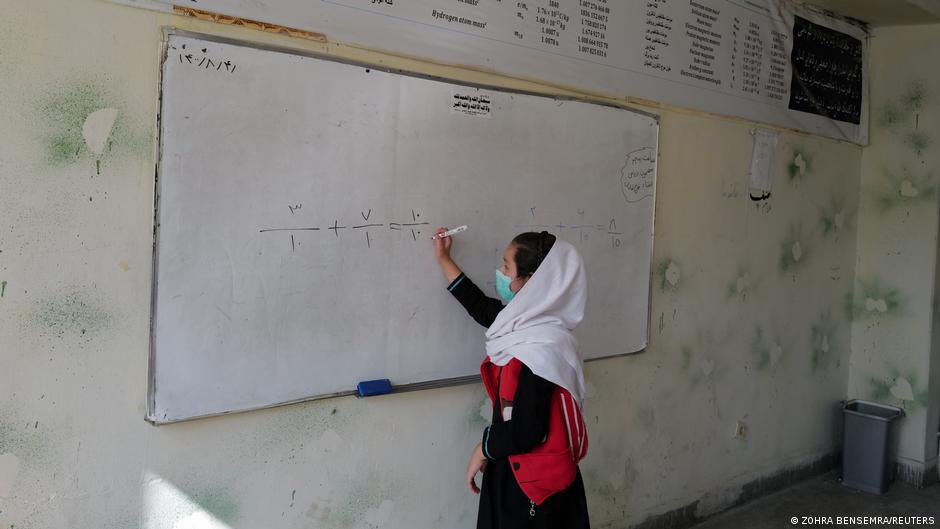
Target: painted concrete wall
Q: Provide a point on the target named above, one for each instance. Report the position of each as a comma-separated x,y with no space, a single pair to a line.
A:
749,341
895,301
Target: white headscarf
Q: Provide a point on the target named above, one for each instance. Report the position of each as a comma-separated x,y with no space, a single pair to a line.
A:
535,326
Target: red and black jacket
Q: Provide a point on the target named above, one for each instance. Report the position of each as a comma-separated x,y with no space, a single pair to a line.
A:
552,464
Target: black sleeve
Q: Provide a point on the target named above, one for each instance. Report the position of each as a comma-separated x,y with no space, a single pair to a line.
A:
481,308
528,424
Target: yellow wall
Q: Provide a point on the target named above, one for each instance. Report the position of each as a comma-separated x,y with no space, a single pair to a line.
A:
748,355
895,296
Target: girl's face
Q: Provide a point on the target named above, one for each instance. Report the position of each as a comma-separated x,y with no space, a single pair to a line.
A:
509,268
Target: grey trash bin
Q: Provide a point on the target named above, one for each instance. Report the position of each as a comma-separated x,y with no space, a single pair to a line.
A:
865,464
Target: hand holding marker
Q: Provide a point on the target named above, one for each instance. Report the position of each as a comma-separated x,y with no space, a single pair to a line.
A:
448,233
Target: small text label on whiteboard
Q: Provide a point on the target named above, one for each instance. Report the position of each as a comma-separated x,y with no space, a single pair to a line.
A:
472,104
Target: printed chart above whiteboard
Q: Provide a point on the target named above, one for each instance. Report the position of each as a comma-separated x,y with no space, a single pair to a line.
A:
297,197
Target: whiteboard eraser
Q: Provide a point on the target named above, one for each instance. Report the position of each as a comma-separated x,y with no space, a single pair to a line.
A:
368,388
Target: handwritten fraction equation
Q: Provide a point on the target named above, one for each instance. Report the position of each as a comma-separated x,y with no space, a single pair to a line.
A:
582,229
364,227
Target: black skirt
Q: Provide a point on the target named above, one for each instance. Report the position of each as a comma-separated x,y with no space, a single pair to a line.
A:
503,505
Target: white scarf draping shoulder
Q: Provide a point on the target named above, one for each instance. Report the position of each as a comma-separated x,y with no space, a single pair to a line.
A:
535,326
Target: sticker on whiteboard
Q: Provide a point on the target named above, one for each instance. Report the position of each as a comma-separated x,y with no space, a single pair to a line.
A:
471,104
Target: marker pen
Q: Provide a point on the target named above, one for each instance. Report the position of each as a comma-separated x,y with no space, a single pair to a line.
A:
448,233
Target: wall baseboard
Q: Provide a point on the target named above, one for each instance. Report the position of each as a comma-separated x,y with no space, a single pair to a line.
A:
686,516
918,473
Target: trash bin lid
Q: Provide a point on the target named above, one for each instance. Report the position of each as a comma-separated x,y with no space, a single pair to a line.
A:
872,410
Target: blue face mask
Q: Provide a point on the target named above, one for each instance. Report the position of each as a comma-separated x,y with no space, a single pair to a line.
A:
502,286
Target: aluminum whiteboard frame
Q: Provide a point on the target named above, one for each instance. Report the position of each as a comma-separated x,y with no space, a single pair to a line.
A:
402,388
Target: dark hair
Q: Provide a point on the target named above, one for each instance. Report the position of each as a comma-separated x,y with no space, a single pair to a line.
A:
531,249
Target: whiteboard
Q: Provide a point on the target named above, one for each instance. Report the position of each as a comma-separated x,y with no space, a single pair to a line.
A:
730,57
296,198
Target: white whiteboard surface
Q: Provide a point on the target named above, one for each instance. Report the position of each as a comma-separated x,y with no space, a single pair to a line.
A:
254,307
729,57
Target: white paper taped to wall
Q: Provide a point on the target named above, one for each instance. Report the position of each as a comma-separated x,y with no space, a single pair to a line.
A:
762,160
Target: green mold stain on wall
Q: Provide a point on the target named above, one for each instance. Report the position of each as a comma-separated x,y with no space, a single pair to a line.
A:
741,285
359,499
905,187
669,275
298,424
698,359
63,110
916,140
794,249
22,437
800,164
613,486
872,299
833,218
901,111
902,389
766,348
914,97
63,148
478,416
74,312
822,342
901,119
890,116
220,502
